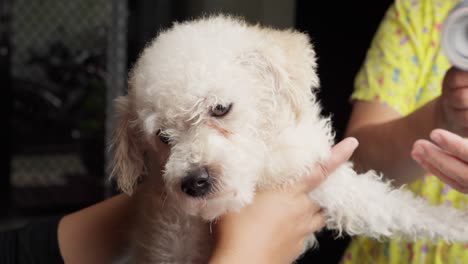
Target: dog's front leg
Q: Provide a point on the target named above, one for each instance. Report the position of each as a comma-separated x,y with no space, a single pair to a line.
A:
363,204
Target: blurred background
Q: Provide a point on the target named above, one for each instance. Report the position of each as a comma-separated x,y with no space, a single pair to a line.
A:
63,62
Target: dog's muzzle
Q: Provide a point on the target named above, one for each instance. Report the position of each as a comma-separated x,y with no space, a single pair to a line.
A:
197,183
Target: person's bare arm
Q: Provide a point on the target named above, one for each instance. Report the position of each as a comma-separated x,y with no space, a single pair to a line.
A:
386,138
97,234
446,157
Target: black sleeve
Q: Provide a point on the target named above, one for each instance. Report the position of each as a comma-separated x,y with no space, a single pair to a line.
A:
34,243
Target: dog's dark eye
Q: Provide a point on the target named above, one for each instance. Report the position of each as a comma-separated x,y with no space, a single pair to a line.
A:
220,110
163,137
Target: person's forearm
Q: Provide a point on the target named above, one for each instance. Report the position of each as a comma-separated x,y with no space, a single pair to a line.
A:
386,147
97,234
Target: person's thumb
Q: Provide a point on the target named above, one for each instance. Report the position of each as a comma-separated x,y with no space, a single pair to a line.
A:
340,153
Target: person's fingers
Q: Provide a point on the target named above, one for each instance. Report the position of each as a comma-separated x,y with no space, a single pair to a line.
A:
315,222
451,143
430,168
446,167
313,206
319,220
444,162
340,153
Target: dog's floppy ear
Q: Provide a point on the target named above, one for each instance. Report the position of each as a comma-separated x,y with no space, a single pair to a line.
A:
128,159
289,59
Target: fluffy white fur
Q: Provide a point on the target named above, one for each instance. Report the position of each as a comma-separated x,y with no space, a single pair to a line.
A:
273,134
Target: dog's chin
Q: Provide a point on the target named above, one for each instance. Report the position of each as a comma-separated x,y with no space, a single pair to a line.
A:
213,206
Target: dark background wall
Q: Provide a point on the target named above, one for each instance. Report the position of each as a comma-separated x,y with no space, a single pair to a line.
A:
5,107
341,32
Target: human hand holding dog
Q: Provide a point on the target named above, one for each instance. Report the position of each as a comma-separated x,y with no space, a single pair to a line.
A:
446,158
274,227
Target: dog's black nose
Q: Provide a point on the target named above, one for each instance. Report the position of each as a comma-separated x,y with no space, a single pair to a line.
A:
197,183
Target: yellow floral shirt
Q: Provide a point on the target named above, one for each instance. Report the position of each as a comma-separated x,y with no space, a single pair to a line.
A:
404,69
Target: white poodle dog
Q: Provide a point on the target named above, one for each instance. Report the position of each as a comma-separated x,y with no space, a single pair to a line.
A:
218,109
